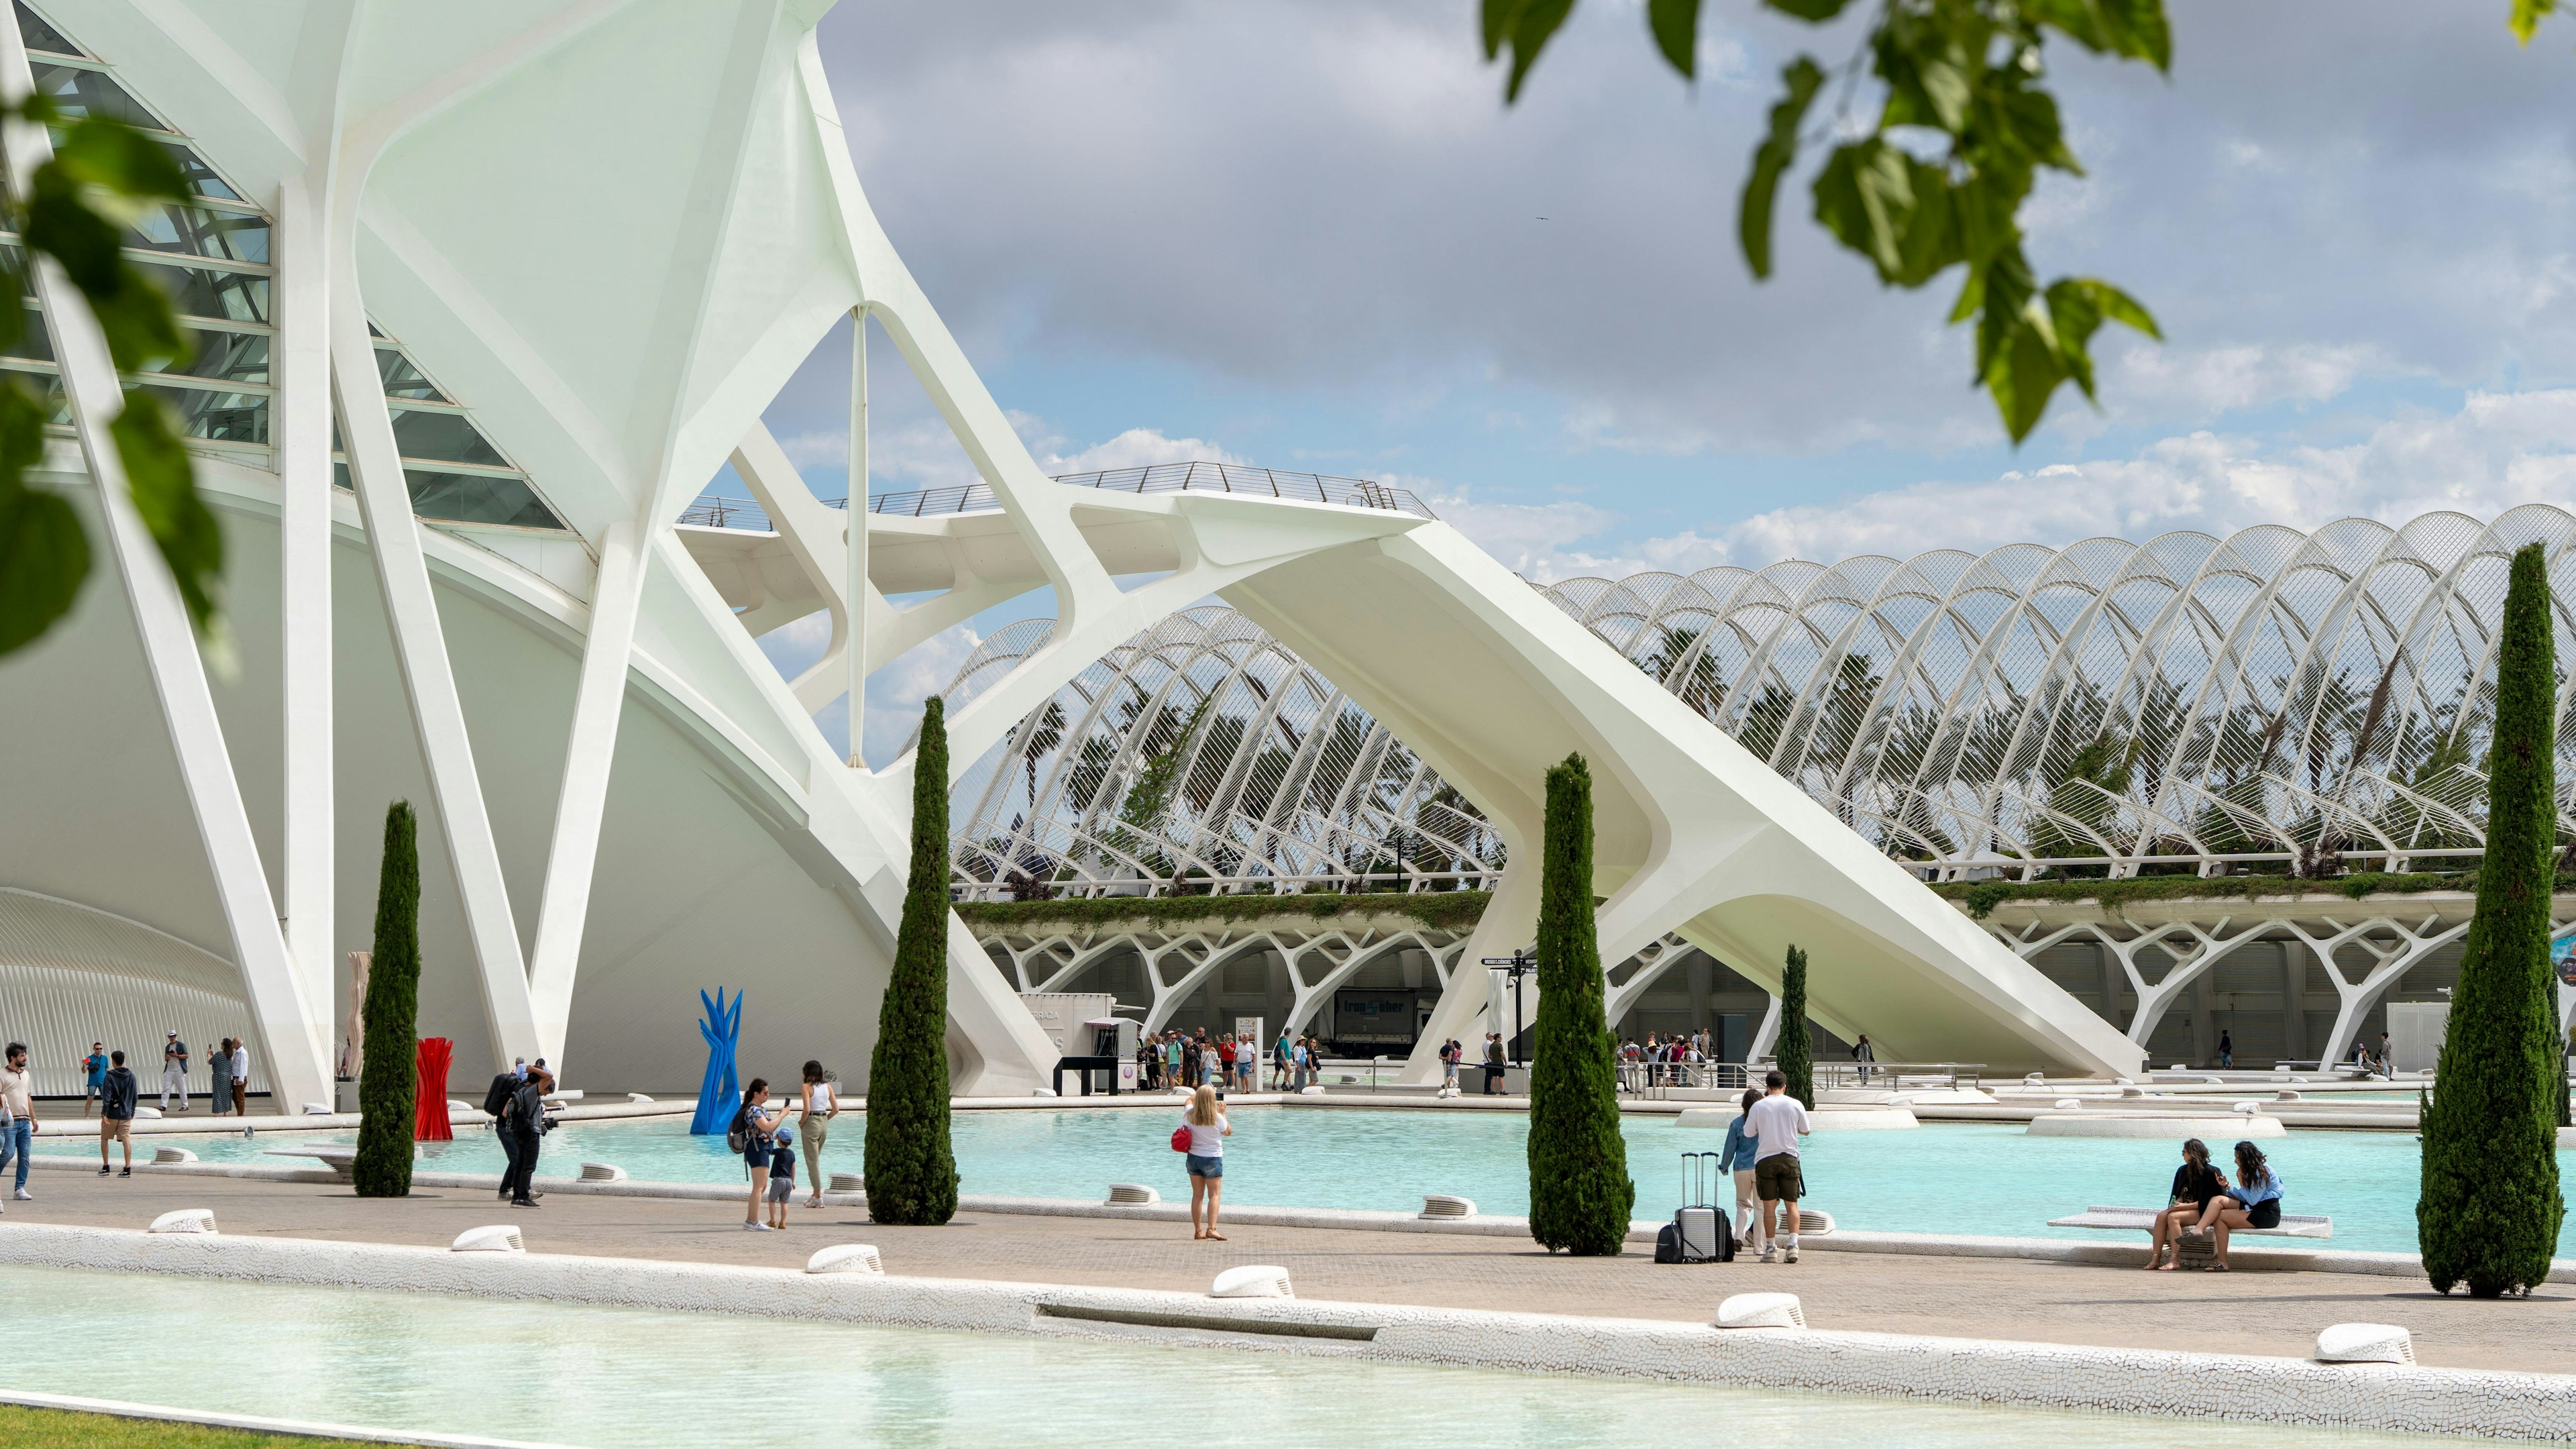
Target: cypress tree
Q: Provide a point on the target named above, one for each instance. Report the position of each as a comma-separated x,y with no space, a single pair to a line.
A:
1796,1050
912,1172
2490,1207
1580,1193
387,1074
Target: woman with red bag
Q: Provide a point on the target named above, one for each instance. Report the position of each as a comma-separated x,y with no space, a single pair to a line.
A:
1202,1135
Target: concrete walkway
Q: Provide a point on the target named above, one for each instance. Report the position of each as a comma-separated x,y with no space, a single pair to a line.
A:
2258,1313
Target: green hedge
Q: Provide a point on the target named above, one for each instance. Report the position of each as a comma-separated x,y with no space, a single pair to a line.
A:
911,1166
1440,910
1982,896
2491,1204
1579,1189
389,1069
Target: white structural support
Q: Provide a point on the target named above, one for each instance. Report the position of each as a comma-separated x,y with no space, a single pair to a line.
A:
854,574
598,703
1177,965
301,363
428,676
297,1041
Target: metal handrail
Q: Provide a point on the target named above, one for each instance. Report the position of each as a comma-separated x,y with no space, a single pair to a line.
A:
712,511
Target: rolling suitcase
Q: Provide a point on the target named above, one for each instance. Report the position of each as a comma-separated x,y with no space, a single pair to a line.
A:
1702,1231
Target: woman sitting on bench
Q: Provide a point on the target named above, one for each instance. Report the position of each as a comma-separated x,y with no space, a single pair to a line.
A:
2194,1184
2253,1202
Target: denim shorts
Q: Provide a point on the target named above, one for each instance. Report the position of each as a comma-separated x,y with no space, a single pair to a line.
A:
1206,1166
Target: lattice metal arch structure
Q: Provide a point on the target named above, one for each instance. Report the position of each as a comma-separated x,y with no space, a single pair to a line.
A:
2190,704
2187,704
1202,749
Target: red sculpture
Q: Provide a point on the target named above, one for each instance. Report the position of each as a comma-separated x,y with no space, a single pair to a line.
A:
429,1118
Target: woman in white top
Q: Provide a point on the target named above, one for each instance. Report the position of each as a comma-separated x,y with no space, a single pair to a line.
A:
821,1104
1208,1131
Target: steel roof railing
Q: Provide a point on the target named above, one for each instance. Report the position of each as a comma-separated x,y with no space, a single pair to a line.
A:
712,511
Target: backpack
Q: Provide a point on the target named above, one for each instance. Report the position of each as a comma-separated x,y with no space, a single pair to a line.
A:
738,1136
498,1097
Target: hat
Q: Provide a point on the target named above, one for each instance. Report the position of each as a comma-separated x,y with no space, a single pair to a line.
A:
174,1031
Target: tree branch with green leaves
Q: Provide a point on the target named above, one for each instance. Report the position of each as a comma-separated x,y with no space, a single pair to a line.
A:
1937,177
73,210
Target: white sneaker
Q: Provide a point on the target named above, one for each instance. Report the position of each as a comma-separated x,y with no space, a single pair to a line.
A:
1768,1255
1793,1255
24,1196
757,1228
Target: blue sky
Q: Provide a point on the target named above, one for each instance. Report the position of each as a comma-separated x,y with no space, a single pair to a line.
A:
1308,234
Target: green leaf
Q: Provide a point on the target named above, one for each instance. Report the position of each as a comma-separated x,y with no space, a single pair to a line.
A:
1675,26
158,474
141,330
44,553
1891,208
1799,80
1526,26
121,161
1814,12
2526,18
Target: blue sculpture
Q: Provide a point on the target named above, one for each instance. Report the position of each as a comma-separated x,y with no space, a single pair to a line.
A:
718,1097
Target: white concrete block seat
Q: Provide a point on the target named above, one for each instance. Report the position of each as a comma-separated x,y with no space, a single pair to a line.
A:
2364,1343
184,1220
2143,1220
1255,1280
861,1258
496,1238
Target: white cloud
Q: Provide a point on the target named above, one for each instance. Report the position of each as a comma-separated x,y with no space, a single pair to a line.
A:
2498,452
1136,448
895,692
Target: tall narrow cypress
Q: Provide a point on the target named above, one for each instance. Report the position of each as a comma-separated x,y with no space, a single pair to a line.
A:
1580,1192
911,1170
2490,1207
387,1074
1796,1049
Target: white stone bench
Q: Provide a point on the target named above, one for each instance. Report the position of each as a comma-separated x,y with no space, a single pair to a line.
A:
2143,1220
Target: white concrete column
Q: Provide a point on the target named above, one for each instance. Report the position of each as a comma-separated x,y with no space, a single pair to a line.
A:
1766,1038
297,1041
582,800
854,593
420,647
2294,1000
300,425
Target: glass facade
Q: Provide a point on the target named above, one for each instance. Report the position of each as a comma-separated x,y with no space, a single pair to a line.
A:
212,257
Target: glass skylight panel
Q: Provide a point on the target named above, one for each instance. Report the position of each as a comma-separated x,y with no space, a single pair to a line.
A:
42,36
402,380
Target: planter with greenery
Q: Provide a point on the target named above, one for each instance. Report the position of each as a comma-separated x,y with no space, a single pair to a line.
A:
387,1073
911,1169
1580,1193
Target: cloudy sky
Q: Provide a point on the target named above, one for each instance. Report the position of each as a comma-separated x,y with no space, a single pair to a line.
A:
1307,233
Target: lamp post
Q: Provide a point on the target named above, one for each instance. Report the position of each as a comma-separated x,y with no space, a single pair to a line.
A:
1516,965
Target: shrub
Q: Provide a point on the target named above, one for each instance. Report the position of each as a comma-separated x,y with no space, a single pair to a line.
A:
1796,1051
1580,1193
2490,1207
387,1073
911,1169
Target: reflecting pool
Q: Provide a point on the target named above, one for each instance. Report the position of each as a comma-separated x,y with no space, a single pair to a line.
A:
1987,1179
623,1378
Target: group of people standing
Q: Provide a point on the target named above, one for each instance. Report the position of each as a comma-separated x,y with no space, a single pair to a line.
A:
1453,1057
1226,1061
769,1150
227,1075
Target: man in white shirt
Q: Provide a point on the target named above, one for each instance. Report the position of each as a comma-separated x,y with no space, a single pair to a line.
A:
1777,1122
17,1115
241,1077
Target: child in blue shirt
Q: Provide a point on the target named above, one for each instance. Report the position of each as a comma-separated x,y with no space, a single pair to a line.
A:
782,1175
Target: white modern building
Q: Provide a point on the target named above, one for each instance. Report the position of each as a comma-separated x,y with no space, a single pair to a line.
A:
485,295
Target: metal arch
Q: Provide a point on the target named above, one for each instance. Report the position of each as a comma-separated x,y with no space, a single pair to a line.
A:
2232,620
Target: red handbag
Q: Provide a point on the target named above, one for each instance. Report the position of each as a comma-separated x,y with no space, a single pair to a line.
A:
1181,1138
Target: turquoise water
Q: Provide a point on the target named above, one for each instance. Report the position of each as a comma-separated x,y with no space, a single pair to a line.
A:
644,1379
1988,1179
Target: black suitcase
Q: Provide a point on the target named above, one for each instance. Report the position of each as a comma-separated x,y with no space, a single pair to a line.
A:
1701,1231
